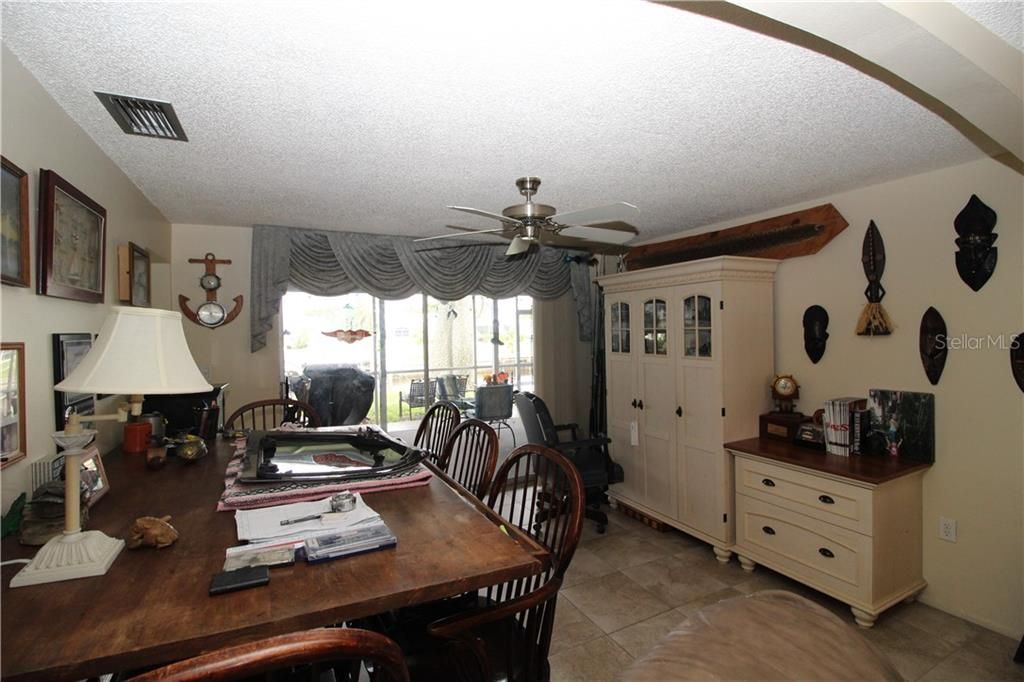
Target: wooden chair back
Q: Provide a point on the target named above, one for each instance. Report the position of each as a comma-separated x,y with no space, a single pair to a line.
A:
267,415
470,456
323,646
435,428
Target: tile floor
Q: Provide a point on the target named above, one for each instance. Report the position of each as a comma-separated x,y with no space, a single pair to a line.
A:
629,587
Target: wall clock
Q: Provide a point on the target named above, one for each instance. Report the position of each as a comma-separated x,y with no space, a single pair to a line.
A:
210,314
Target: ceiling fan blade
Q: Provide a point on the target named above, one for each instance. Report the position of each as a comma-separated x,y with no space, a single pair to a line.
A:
488,214
518,245
466,231
604,235
617,212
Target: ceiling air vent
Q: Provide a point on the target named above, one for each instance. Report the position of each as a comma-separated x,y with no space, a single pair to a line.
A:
147,117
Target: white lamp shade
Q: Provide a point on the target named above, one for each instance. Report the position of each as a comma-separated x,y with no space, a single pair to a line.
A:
139,351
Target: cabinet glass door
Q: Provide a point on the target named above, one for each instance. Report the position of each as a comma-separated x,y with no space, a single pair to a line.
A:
619,328
697,327
655,327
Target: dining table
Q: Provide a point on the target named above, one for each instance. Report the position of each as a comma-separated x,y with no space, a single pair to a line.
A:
153,607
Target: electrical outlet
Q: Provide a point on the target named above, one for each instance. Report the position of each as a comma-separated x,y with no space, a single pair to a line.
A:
947,529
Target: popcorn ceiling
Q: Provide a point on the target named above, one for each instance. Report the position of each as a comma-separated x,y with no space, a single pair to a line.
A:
371,117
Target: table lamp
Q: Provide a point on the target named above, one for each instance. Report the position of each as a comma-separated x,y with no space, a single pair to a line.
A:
139,351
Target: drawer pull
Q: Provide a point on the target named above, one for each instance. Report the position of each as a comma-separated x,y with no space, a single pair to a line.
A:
768,530
768,483
825,499
826,552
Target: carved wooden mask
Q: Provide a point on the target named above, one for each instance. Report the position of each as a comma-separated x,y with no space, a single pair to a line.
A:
1017,359
815,332
933,344
976,258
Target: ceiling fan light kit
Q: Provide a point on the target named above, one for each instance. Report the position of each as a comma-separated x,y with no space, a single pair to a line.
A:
601,229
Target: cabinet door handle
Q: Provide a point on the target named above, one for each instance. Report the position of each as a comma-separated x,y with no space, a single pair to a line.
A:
768,483
768,530
679,411
826,552
640,404
825,499
634,402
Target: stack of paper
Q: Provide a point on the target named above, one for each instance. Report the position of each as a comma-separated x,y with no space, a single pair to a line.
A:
264,526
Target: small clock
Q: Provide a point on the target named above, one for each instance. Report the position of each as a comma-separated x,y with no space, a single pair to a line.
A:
210,282
785,390
211,314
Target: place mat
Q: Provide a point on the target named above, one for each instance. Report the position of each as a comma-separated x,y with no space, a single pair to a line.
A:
238,495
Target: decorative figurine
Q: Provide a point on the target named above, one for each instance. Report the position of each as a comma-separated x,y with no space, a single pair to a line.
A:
149,531
191,448
976,259
815,332
933,340
873,320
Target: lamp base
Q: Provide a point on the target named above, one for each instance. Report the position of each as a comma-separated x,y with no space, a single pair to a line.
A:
73,555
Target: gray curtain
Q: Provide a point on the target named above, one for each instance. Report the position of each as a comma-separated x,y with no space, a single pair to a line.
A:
334,263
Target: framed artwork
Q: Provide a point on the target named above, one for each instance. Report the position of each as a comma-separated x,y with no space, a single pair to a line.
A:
72,241
95,483
133,275
68,351
14,239
12,403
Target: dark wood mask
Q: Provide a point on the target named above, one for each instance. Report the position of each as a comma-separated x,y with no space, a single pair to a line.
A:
1017,359
815,332
873,321
976,258
933,344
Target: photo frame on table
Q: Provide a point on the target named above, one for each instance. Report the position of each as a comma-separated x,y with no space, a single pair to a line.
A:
14,231
12,403
133,281
95,483
68,351
72,241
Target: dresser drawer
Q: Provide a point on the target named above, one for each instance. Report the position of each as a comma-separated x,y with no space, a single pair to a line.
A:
844,505
833,559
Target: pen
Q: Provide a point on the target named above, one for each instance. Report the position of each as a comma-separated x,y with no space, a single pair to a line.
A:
288,522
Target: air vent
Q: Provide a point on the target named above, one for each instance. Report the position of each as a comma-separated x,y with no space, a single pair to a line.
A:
147,117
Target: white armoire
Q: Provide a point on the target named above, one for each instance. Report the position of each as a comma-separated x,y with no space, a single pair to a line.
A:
689,355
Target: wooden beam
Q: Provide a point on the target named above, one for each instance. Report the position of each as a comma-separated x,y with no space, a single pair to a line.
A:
787,236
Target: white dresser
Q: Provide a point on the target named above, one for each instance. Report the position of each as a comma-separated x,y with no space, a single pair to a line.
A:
687,346
847,526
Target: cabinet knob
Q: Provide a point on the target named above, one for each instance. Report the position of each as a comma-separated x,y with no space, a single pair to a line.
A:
825,499
767,482
634,402
768,530
679,411
640,404
826,552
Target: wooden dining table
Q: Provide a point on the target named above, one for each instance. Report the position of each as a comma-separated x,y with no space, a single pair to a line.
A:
153,606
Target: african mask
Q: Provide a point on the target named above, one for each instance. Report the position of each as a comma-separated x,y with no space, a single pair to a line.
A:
873,321
1017,359
976,259
815,332
933,344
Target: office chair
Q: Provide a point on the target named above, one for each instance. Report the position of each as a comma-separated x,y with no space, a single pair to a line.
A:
590,455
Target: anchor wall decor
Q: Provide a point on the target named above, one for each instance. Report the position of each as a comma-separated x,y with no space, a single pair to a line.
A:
211,313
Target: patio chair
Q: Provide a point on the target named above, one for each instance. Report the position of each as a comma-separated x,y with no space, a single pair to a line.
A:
453,389
420,395
493,404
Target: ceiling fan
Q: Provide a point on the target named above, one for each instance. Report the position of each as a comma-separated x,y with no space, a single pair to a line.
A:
602,229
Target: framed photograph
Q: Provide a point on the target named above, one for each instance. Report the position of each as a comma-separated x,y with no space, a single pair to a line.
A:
94,477
133,275
72,241
12,403
68,351
14,240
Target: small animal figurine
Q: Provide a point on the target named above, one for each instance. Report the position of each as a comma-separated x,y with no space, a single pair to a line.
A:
149,531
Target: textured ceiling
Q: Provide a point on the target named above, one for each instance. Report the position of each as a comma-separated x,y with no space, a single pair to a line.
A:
1005,19
372,116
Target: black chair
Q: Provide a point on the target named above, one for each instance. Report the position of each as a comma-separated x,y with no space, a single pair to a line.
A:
493,404
453,389
590,455
420,395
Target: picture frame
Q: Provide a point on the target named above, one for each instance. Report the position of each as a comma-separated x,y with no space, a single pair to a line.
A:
133,282
14,229
94,477
72,242
68,351
12,403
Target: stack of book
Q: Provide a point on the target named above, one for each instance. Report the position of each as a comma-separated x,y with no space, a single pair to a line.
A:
843,431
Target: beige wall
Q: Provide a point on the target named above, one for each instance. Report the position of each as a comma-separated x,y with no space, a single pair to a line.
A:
35,133
223,353
978,476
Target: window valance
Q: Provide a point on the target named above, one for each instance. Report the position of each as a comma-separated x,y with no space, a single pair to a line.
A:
326,263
